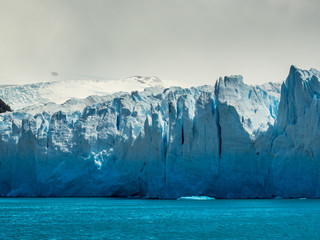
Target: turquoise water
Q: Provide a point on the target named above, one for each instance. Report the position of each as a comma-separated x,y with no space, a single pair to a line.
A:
103,218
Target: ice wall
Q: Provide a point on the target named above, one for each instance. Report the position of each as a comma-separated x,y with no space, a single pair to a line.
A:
230,140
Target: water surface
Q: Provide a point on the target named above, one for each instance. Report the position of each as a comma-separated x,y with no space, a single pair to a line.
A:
105,218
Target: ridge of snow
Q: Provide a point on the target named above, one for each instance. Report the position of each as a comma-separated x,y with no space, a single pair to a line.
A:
37,94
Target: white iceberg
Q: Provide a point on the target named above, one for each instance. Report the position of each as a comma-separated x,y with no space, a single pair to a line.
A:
196,198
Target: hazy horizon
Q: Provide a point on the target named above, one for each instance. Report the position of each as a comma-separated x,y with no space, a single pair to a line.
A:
190,43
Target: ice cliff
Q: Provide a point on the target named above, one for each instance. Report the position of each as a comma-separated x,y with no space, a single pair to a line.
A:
230,140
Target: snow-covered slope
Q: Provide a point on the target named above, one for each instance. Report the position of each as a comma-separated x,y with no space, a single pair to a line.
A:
229,140
21,96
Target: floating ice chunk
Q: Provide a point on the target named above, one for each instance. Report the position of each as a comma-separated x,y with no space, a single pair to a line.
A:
278,197
196,198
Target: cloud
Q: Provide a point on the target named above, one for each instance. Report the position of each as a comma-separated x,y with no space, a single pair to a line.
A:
193,42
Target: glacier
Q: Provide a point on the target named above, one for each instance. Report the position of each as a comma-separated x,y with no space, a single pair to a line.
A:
227,140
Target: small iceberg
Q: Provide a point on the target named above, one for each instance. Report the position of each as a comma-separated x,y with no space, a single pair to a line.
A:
196,198
302,198
278,197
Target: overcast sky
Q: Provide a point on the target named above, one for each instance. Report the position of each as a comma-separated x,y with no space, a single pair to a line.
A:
190,41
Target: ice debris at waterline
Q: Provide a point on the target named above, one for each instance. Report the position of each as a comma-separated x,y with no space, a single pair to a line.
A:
230,140
196,198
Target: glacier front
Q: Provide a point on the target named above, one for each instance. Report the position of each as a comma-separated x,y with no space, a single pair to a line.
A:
229,140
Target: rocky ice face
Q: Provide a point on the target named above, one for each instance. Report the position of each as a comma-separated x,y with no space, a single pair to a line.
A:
230,140
293,143
4,107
